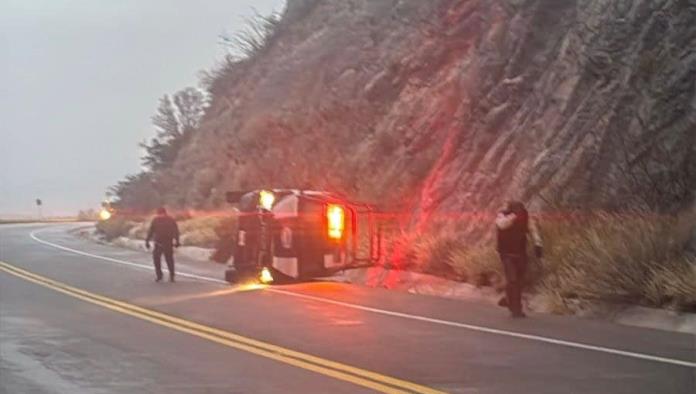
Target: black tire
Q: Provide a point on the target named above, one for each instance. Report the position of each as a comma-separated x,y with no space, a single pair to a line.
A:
234,276
231,276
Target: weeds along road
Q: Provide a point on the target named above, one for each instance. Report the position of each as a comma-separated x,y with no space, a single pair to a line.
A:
82,317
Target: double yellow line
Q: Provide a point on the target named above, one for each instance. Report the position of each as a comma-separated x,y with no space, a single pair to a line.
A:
361,377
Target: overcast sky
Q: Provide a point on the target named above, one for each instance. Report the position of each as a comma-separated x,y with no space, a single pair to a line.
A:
79,81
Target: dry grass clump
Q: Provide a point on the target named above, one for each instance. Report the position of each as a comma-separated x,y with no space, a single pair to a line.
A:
479,265
256,35
628,258
199,231
115,227
634,258
431,254
444,252
139,231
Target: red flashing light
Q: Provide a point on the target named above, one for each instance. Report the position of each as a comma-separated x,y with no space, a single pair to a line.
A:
336,221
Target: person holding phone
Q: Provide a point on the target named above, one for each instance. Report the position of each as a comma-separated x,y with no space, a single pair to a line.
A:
513,227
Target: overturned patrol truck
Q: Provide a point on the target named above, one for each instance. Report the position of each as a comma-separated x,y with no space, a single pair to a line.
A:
289,234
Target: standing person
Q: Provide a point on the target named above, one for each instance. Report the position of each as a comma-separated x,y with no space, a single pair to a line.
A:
165,233
513,227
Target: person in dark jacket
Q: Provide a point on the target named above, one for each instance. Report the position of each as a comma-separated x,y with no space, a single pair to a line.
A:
513,226
165,232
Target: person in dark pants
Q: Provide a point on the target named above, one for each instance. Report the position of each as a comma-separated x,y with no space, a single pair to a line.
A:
165,232
513,227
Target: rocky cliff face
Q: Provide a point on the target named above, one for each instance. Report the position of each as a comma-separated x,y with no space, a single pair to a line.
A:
433,107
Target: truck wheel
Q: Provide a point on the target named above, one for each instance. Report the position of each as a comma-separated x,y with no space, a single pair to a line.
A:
231,276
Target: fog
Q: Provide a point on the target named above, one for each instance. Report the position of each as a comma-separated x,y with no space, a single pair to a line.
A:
79,81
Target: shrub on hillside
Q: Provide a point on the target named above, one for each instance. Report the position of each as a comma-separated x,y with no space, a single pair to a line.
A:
628,258
199,231
88,215
139,230
431,255
255,37
196,231
636,258
480,265
116,226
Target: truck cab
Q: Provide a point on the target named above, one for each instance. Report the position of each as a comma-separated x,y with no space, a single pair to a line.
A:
291,234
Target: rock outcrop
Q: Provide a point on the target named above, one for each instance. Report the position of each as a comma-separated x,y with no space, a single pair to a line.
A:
433,107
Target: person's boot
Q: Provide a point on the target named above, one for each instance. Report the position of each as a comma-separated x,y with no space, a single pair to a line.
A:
503,302
518,315
158,278
171,278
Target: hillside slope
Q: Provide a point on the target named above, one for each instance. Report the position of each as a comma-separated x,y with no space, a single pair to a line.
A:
431,107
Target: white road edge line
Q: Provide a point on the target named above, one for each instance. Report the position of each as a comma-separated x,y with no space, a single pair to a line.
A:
538,338
117,261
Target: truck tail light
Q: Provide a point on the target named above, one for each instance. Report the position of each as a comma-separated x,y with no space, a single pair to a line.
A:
336,221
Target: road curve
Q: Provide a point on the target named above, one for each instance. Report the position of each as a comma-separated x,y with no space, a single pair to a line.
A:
82,317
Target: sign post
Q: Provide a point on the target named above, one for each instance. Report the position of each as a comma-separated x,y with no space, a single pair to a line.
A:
39,203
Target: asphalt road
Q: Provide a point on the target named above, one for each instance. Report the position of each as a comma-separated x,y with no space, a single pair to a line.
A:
78,317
